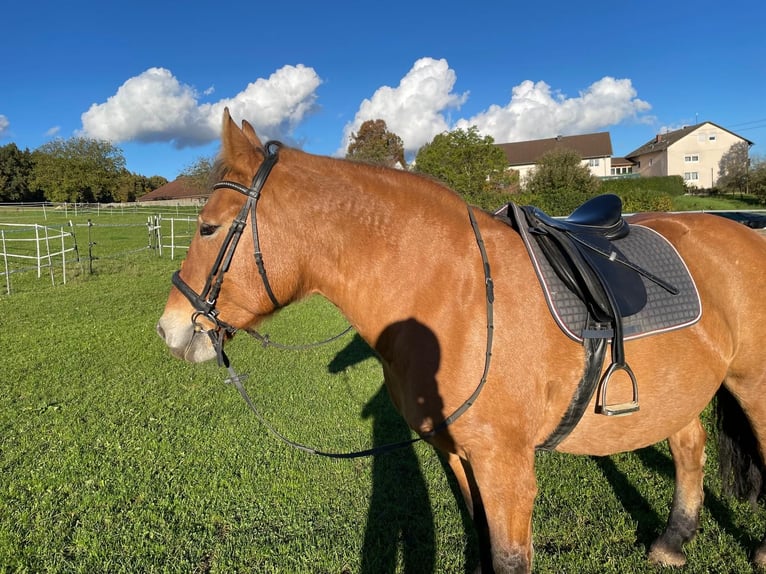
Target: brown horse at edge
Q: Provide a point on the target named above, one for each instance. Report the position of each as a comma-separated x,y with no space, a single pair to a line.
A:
396,253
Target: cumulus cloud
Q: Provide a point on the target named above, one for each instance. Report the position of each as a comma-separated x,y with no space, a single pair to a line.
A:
156,107
415,109
4,125
535,111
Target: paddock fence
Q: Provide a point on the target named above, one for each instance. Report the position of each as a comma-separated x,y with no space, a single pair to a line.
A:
56,252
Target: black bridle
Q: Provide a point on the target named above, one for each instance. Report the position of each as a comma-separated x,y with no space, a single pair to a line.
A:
204,304
205,301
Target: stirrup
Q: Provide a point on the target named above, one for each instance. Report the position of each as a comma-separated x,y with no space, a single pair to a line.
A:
617,409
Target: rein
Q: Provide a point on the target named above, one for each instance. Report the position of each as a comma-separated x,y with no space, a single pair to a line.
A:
204,304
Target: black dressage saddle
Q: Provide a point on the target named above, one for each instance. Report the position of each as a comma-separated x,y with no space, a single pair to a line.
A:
584,253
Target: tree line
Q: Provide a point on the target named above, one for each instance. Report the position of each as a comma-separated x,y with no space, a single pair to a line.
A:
85,170
76,170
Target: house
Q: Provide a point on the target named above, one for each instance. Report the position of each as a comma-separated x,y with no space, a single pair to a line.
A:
692,152
183,190
595,150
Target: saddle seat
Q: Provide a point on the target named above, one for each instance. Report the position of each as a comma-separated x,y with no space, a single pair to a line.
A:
601,216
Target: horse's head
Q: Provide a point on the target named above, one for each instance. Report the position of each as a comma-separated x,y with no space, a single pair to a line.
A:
222,285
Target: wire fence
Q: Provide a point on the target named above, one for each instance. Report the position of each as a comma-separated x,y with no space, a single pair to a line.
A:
57,251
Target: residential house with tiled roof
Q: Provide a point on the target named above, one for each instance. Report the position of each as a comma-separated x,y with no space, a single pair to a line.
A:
693,152
594,149
183,190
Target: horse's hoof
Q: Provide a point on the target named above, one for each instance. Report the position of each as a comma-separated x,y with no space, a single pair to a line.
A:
661,555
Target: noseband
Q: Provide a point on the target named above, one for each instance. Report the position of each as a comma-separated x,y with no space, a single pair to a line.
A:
204,302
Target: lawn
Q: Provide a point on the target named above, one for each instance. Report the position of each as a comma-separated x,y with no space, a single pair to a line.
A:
115,457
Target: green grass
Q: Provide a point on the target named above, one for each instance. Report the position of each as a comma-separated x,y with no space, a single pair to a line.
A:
115,457
715,202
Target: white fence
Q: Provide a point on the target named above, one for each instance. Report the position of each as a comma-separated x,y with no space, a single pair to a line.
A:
51,251
34,247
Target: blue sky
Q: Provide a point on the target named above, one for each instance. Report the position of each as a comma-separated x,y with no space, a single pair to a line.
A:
153,77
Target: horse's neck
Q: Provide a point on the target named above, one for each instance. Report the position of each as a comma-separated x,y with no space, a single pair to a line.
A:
376,239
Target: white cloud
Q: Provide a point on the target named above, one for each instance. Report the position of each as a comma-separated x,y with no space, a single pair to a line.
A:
414,110
4,125
536,112
155,107
52,132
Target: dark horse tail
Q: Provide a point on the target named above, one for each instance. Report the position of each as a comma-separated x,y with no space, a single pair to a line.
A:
741,465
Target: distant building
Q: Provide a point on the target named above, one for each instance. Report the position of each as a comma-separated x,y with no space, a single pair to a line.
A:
693,152
594,149
183,190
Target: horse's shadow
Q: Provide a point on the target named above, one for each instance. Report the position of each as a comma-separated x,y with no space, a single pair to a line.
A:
400,533
649,524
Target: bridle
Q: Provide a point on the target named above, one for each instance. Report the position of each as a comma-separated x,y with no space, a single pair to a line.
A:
204,304
205,301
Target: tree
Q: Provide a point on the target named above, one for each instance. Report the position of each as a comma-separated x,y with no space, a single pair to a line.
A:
375,144
78,169
15,170
758,178
198,173
733,169
132,186
560,182
470,164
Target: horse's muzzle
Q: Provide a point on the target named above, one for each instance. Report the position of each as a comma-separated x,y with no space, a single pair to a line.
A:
184,341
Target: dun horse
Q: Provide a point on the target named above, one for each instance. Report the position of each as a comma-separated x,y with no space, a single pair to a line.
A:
408,263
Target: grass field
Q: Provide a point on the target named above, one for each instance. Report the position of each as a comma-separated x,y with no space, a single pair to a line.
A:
115,457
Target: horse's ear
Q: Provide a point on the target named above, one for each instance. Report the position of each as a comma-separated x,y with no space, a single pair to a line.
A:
238,151
250,134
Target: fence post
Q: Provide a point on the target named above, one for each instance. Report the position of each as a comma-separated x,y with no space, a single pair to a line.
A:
63,256
158,231
172,238
37,249
90,248
48,255
5,261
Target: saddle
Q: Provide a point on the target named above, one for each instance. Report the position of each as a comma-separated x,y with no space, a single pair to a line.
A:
584,251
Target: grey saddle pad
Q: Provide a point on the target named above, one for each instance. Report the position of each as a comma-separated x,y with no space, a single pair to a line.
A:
663,312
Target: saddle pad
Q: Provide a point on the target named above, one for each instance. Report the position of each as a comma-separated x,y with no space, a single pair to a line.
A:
647,249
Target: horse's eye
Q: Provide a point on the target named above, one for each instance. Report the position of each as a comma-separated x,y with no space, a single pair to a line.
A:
206,229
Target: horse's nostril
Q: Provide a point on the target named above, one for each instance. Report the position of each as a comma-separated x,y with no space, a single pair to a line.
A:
160,331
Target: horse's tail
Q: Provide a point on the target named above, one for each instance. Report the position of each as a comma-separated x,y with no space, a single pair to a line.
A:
740,463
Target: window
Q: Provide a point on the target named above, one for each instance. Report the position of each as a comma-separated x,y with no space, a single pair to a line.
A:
711,137
692,158
593,162
691,176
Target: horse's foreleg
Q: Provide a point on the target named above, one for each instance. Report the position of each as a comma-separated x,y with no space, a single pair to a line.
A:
506,481
464,476
688,449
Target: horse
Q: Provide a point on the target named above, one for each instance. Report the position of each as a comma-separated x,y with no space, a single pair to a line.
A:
408,263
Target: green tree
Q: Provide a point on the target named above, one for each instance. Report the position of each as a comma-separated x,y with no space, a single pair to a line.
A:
758,178
132,186
470,164
15,169
78,169
374,143
733,169
560,182
198,173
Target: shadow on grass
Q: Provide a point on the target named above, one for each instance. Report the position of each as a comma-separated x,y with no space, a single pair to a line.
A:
400,518
649,524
